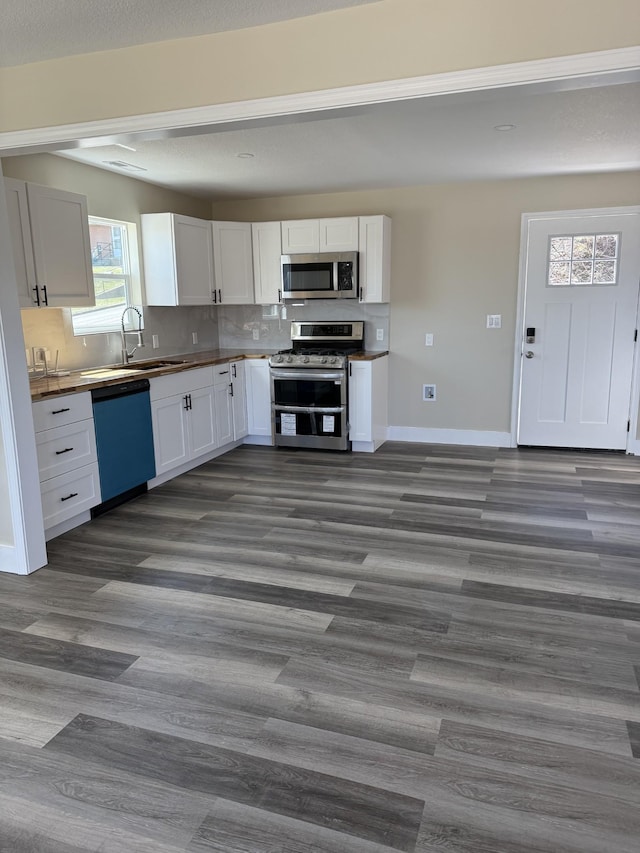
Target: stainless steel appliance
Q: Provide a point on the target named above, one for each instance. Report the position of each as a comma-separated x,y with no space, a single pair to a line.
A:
309,387
327,275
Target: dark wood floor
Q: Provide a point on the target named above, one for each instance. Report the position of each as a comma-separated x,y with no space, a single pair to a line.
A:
429,648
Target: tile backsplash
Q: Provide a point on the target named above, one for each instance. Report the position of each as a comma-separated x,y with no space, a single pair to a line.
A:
248,327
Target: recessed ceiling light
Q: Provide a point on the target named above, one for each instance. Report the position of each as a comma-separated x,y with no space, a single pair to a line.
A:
246,155
122,164
505,127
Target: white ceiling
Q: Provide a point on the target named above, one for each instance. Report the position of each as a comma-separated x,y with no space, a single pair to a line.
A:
413,142
33,30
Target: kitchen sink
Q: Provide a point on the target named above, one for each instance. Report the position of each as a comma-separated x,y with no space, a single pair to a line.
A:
150,365
115,370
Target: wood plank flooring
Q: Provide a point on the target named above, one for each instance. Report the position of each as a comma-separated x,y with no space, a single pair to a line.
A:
431,649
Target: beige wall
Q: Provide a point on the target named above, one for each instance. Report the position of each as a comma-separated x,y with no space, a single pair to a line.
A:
454,260
388,40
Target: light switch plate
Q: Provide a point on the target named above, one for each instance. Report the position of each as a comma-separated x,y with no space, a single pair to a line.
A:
429,393
428,339
379,334
494,321
194,337
155,341
256,334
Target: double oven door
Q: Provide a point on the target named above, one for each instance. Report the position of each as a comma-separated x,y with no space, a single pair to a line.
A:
309,407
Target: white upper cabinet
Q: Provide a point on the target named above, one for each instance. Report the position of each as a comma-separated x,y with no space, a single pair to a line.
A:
178,259
51,245
267,248
300,236
233,263
375,258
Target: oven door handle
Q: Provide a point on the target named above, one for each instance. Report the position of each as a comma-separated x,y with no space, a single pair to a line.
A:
310,410
310,374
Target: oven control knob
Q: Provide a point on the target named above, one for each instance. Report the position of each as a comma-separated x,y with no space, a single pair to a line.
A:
306,359
324,359
289,358
277,358
333,359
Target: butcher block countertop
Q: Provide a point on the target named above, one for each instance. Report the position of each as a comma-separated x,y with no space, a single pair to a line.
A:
100,377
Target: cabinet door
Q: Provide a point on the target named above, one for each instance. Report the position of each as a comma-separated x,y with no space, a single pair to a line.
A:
170,440
300,236
339,235
258,396
375,258
233,262
194,260
61,246
201,422
223,412
20,232
267,272
360,412
239,399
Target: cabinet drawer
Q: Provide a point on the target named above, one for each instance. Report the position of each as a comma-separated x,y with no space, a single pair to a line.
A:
65,448
222,374
69,494
180,383
58,411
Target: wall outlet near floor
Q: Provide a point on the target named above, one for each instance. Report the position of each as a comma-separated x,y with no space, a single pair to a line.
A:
194,337
155,341
379,334
428,339
429,393
256,334
494,321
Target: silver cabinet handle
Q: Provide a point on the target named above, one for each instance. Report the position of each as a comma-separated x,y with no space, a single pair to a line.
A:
528,354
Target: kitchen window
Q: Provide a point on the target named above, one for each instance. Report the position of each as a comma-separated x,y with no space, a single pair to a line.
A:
116,276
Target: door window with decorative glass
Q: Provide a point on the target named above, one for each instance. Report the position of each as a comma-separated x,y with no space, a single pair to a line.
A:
116,279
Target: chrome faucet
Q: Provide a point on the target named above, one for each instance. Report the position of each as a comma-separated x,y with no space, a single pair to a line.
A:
126,354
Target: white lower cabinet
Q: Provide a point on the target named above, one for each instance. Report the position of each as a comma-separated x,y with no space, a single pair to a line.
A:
239,399
182,412
67,457
368,403
258,401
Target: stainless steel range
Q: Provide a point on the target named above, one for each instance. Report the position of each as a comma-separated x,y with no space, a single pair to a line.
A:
309,386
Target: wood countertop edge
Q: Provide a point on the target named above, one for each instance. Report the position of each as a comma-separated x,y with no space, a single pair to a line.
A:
75,383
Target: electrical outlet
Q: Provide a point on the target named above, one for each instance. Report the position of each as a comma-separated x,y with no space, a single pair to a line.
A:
194,337
494,321
155,341
428,339
379,334
428,393
256,334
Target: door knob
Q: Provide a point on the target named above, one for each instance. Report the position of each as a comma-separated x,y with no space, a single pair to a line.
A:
528,354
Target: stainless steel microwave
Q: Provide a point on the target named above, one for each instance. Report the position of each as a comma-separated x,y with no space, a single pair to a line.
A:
326,275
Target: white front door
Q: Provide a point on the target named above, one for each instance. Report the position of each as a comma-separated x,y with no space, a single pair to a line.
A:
581,302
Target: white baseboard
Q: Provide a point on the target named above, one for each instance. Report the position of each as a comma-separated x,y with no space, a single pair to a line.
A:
9,560
263,440
67,525
424,435
633,447
191,464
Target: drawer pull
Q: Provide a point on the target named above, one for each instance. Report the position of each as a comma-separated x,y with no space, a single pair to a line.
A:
59,411
222,372
68,497
66,450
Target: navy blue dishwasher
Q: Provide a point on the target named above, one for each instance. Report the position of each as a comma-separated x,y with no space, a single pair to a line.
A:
124,436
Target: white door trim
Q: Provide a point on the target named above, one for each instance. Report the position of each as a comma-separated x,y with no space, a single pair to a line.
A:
614,66
633,445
